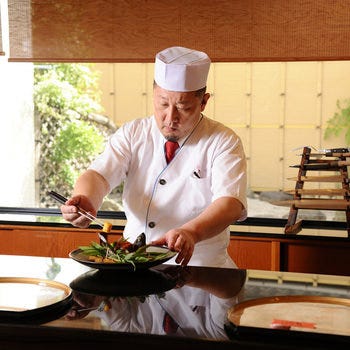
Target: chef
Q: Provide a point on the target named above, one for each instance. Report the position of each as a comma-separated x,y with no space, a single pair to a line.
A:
184,174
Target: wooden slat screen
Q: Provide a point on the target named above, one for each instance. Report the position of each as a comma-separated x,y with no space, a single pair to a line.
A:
133,31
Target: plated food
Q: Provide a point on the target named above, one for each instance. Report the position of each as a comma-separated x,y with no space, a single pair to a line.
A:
122,254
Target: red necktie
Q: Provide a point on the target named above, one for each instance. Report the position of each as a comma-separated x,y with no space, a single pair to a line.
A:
170,326
170,149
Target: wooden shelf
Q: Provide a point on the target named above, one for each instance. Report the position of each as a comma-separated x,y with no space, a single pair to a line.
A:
311,198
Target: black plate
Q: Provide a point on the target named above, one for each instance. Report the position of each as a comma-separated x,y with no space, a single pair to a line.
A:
125,284
80,257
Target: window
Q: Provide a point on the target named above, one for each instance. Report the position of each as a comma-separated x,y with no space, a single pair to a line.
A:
275,107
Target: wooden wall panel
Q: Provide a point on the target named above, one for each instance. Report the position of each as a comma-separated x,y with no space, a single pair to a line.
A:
133,31
311,257
46,241
249,254
266,153
130,92
266,94
231,90
107,87
303,82
149,88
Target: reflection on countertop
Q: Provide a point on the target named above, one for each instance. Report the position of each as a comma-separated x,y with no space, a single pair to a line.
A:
194,299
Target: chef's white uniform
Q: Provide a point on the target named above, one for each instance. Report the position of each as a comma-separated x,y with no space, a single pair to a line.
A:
197,313
158,197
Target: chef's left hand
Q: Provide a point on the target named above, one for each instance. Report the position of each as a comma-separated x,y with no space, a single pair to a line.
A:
181,241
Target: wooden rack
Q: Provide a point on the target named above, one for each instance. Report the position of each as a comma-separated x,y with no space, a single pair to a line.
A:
303,198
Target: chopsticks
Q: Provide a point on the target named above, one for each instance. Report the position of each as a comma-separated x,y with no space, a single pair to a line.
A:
58,197
104,306
81,211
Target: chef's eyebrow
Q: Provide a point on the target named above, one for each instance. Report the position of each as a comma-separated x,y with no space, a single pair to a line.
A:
182,103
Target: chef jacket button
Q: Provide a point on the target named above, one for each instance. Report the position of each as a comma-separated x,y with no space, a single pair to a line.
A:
162,181
151,224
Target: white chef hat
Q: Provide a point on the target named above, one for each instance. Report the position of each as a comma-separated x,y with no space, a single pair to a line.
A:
181,69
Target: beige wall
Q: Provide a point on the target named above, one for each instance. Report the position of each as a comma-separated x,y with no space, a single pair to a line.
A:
274,106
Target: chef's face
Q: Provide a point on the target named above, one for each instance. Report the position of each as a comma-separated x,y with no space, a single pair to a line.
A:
177,113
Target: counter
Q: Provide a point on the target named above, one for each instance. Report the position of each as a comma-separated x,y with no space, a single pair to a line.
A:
250,250
165,306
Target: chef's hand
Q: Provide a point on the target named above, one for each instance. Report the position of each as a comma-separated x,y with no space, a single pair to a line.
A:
83,304
181,241
70,211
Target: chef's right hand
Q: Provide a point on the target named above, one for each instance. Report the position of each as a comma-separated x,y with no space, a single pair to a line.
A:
179,240
70,211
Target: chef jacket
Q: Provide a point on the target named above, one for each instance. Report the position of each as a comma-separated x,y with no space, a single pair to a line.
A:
157,196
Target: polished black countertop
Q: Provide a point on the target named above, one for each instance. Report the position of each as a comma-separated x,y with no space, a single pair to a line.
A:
164,303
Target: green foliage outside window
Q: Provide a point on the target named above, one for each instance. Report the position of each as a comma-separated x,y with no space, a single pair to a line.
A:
340,122
65,98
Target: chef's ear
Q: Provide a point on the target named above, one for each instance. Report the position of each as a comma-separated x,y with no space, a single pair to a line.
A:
205,99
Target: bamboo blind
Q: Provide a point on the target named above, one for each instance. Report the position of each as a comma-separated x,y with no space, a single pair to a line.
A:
133,31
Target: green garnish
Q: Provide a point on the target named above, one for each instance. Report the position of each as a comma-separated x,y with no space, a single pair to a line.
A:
115,254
